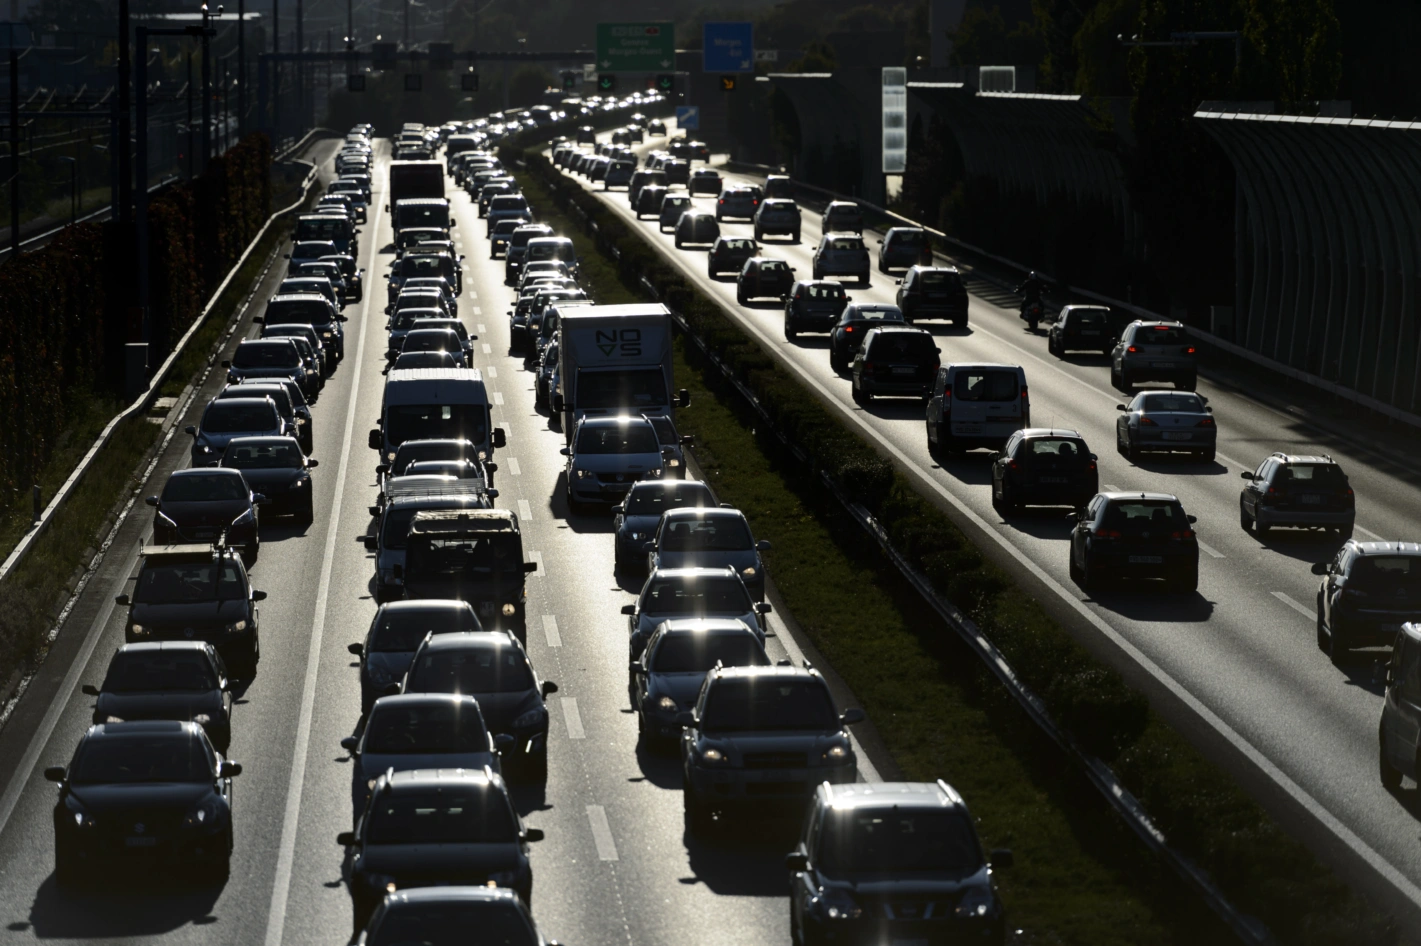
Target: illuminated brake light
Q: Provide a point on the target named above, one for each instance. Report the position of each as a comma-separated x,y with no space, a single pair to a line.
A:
1206,422
1013,465
1147,422
1189,350
1132,349
1107,534
1186,534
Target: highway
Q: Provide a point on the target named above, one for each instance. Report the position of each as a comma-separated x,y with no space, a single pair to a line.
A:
1236,666
614,868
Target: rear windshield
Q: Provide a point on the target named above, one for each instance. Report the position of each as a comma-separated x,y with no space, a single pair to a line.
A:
427,264
987,385
697,653
429,727
1063,449
846,243
655,499
1386,573
876,314
619,438
1160,335
403,319
230,417
914,346
481,670
697,598
1179,403
508,203
438,923
751,704
271,355
399,632
155,672
298,313
1134,517
907,237
262,456
898,840
1327,475
561,250
450,816
1088,318
773,266
323,228
939,280
710,534
829,291
432,340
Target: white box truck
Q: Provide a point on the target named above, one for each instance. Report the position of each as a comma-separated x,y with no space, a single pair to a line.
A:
615,359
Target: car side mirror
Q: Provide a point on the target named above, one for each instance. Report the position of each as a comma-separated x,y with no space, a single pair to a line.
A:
151,500
226,364
897,282
375,440
55,773
764,607
89,689
1246,475
258,595
349,743
851,716
533,834
120,599
617,510
356,649
346,838
371,542
528,567
564,451
504,741
683,397
382,468
798,861
763,545
1321,568
549,687
228,769
629,609
1002,858
500,438
1192,519
260,499
190,430
994,456
1121,407
311,464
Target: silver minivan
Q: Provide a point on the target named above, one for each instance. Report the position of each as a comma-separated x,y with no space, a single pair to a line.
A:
976,406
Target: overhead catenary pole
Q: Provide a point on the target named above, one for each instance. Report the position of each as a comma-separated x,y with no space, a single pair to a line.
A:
206,93
300,69
14,154
125,166
276,70
191,131
141,194
241,68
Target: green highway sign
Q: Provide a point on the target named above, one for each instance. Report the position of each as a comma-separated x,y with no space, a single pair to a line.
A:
635,47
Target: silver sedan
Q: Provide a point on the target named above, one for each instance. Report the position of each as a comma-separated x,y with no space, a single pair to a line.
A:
1167,422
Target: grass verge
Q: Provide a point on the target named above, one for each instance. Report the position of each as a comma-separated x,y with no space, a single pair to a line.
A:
923,691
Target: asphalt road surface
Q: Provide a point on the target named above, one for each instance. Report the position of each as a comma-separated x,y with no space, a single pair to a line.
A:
1237,664
615,867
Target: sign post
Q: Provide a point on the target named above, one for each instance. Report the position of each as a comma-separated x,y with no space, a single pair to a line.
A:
728,47
635,47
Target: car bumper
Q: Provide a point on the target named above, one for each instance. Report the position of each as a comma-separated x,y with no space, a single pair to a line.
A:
1327,518
1151,371
1140,564
872,930
1185,440
937,310
759,789
98,848
1075,493
896,388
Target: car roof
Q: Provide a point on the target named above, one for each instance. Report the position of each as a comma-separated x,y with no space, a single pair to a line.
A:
1148,497
414,780
895,794
616,421
1302,458
464,520
203,471
188,552
418,897
144,726
703,512
470,640
898,328
422,605
773,671
231,403
691,574
270,342
919,267
164,647
1034,433
1157,323
705,626
262,441
1387,548
426,699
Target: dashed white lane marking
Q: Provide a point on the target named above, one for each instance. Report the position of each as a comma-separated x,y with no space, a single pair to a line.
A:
513,466
525,511
498,398
478,310
537,558
1110,488
572,718
488,349
550,631
1209,549
482,328
1308,613
491,371
601,833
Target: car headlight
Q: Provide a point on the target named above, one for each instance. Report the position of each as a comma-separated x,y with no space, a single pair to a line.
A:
82,819
976,902
655,473
138,630
326,334
748,572
113,719
712,756
673,462
202,719
300,422
206,813
300,482
510,609
503,878
237,626
668,705
537,716
836,754
838,904
583,474
390,457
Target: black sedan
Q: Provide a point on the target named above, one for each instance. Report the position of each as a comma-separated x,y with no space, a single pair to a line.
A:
145,794
178,680
394,636
814,305
1135,535
278,470
1043,466
762,277
201,504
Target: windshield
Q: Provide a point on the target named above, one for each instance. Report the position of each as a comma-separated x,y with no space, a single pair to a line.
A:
432,340
652,499
452,816
736,705
438,727
709,534
153,757
448,924
506,203
1060,449
898,840
470,670
559,250
159,672
297,312
436,422
603,390
972,385
697,653
182,582
427,264
1182,403
204,487
403,320
323,228
399,632
477,555
266,355
1158,517
617,438
262,456
697,598
665,430
226,417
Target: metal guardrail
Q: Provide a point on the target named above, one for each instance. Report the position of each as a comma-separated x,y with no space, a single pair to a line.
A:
145,399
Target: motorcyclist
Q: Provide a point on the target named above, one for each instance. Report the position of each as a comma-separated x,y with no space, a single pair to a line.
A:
1030,291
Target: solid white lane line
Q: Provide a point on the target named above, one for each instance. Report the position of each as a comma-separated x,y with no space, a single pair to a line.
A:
488,349
1306,612
513,466
525,511
572,718
498,398
286,853
1209,549
537,559
550,631
601,833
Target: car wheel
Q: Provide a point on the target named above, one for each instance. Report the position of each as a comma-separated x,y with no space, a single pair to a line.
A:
1321,628
307,514
790,332
1009,500
1260,527
1116,381
678,246
1051,346
865,278
1186,582
1244,522
1207,456
1344,533
1075,569
740,297
1390,777
67,870
1337,647
1090,578
535,766
249,554
835,365
1190,384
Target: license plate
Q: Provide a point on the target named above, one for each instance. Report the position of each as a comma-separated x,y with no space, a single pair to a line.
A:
1146,559
1311,500
1163,364
140,842
903,369
1052,479
1089,331
966,428
1176,435
204,533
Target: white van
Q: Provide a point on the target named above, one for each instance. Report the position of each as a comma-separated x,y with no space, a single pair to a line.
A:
435,404
976,406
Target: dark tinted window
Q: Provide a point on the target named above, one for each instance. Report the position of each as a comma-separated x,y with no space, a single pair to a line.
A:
711,534
907,238
145,672
225,417
449,924
985,385
695,598
452,816
154,757
894,839
265,355
1087,318
1160,335
429,450
323,228
769,703
822,291
508,203
403,319
479,556
911,346
298,312
654,499
1323,475
937,281
1052,447
423,216
1133,517
432,340
399,632
875,314
262,456
846,243
204,487
177,583
399,727
697,653
471,670
436,422
1386,573
618,438
1181,403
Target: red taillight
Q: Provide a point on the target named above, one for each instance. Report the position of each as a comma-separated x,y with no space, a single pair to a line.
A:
722,200
1189,350
868,366
1013,465
1206,422
1107,534
1162,328
1132,349
848,328
1090,465
1147,422
1023,392
1186,534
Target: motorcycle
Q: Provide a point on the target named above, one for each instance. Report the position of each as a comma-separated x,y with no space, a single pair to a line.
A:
1031,313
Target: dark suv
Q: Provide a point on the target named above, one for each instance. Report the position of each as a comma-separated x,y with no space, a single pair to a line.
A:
897,361
696,226
933,292
1043,466
1135,535
813,306
893,862
1299,491
777,216
1368,590
1080,328
763,277
902,247
855,321
729,254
